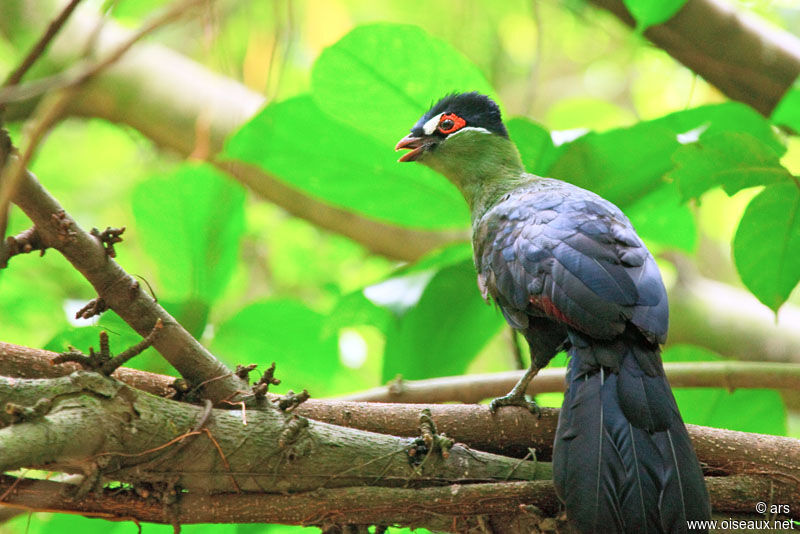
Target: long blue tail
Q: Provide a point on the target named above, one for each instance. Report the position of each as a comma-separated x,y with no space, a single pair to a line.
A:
622,458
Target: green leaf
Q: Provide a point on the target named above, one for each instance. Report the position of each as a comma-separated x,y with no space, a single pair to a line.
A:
190,223
727,117
383,303
651,12
766,247
787,112
626,164
439,258
535,145
747,410
289,333
621,165
380,78
661,217
355,309
344,167
733,160
445,330
43,523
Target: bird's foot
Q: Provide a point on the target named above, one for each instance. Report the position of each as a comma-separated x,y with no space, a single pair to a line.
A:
515,399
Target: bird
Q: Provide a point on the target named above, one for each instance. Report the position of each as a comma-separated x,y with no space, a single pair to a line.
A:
569,272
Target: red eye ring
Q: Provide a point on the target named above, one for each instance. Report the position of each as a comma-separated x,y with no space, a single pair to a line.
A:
450,122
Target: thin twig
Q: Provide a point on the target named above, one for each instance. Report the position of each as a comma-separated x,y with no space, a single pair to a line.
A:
47,113
88,70
474,388
41,45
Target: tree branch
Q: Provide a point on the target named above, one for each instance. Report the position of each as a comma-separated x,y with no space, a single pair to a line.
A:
477,387
87,423
511,431
110,432
508,505
732,322
121,292
736,52
41,45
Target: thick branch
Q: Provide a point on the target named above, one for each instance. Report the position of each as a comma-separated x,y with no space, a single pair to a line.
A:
438,509
736,52
732,322
86,423
510,431
108,431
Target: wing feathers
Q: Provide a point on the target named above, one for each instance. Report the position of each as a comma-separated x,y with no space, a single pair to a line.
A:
573,258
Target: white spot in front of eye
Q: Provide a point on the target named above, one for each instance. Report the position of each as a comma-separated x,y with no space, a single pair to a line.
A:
430,126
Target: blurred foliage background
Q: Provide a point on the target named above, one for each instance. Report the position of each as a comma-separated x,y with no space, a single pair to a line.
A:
344,80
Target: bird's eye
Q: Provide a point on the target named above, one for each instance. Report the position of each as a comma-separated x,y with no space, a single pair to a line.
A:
450,123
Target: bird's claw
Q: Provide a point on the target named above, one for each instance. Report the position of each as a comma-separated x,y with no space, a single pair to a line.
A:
515,400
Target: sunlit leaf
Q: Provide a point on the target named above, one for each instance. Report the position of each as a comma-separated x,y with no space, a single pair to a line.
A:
748,410
344,167
661,217
787,112
726,117
42,523
380,78
444,331
625,164
621,165
651,12
766,247
287,332
190,223
733,160
535,145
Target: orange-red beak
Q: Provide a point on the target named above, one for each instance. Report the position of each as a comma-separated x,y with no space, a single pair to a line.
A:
416,144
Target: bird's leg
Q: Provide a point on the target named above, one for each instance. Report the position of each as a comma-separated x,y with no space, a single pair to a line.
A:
516,397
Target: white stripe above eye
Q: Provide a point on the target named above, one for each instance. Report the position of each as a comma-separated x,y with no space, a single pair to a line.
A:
430,126
470,129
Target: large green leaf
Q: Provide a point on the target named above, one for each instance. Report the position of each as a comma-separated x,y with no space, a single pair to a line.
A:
651,12
621,165
289,333
661,217
445,330
298,143
787,112
766,247
727,117
384,303
748,410
535,145
733,160
625,164
190,223
380,78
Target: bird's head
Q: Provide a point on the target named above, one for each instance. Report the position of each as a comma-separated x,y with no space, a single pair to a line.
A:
463,137
462,116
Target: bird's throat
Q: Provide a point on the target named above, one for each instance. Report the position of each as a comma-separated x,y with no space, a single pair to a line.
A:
483,166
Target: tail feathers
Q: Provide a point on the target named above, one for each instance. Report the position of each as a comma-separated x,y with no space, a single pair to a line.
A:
622,460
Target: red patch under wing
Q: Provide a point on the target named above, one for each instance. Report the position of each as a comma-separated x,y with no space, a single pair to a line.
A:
549,308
